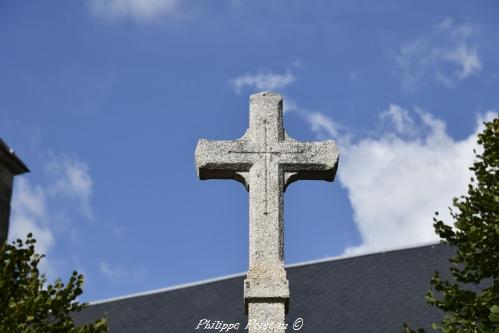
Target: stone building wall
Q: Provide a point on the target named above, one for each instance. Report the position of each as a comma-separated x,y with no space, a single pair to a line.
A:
10,166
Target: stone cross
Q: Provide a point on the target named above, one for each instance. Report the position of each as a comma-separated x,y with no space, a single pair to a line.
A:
266,160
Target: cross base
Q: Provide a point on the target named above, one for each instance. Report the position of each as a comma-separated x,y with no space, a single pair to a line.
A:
266,291
266,317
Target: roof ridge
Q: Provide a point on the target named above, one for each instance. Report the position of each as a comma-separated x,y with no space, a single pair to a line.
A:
170,288
231,276
363,254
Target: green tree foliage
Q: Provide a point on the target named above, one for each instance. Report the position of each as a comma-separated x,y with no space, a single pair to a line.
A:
471,300
28,304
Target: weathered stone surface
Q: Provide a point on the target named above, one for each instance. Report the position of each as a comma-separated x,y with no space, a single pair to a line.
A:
257,289
266,160
266,317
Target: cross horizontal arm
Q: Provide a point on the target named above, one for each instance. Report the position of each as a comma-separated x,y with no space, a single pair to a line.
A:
308,160
222,159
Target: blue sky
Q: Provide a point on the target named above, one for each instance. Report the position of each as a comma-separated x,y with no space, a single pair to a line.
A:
105,101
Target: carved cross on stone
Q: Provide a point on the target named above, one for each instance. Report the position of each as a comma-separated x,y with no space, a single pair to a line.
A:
266,160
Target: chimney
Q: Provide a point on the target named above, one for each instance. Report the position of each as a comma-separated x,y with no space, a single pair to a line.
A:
10,166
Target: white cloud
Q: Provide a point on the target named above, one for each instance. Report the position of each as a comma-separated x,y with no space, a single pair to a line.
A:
290,106
395,185
400,118
29,212
398,177
262,81
36,208
467,58
109,271
116,273
137,10
71,180
322,125
447,55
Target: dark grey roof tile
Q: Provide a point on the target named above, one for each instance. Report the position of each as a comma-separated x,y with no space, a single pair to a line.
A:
370,293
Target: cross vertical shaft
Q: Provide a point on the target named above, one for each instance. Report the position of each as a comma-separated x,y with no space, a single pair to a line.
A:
266,160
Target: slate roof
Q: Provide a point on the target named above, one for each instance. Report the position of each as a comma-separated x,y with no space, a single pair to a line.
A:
369,293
